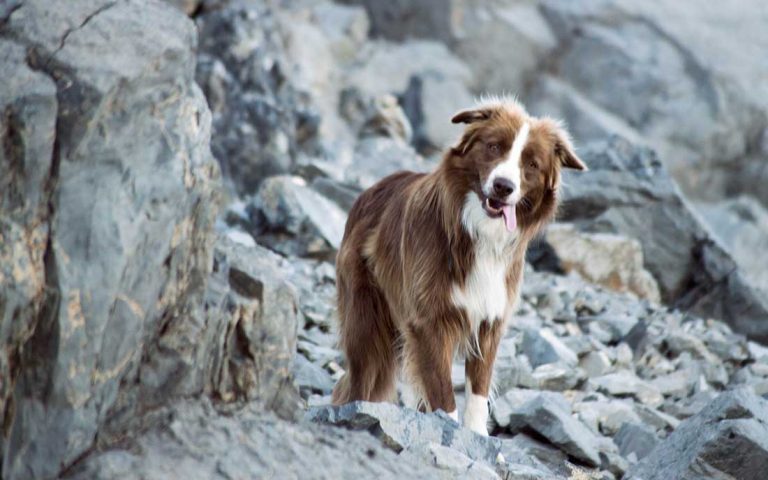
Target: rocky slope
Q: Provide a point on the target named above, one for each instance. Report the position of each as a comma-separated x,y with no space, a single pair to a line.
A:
145,332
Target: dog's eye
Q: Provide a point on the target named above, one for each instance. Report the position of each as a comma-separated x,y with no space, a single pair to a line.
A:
532,164
494,148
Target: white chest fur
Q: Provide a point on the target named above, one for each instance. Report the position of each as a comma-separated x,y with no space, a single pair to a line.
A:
484,295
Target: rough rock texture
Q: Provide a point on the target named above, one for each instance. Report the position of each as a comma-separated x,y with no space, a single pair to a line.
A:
628,191
261,118
606,259
403,428
286,208
728,439
687,79
741,224
106,239
192,440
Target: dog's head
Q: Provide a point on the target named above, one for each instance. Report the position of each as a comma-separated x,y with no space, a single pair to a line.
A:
512,161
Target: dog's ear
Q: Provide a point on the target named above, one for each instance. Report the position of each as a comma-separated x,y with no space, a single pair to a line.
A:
471,116
565,152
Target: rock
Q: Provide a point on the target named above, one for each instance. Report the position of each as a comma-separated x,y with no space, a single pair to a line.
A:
194,441
548,418
291,218
623,383
557,376
244,339
430,101
610,260
521,36
727,438
512,400
542,346
740,224
550,95
595,364
311,378
186,6
626,191
377,157
29,103
677,384
549,462
112,237
672,90
454,462
372,76
262,119
401,428
636,440
606,416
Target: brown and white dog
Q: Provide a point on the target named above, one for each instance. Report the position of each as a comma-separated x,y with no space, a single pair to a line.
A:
431,264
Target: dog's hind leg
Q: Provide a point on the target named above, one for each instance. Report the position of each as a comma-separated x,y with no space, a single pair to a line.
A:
428,355
368,338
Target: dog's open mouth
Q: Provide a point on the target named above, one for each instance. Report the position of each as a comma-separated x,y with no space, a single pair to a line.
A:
495,209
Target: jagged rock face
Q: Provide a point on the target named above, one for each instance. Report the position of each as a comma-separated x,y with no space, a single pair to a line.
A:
253,444
727,439
107,207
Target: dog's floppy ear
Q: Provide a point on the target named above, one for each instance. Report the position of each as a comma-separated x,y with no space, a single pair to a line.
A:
471,116
565,152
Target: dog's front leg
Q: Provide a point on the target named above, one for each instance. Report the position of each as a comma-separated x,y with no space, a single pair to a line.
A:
479,370
429,350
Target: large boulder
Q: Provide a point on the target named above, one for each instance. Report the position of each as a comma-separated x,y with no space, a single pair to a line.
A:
108,198
628,191
682,77
192,440
728,439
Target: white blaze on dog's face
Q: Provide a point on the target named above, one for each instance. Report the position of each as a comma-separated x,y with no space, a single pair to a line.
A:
513,160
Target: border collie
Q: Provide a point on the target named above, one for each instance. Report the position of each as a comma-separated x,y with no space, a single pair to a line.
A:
431,264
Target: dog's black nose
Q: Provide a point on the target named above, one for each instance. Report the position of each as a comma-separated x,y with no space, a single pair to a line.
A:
502,187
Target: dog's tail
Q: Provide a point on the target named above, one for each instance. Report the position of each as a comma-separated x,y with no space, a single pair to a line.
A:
342,391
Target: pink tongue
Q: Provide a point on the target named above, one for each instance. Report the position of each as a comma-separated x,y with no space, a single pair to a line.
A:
510,219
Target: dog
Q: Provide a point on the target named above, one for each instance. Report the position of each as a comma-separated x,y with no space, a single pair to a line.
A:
430,265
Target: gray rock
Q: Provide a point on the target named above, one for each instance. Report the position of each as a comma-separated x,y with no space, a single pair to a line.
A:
239,347
311,378
402,428
628,191
557,376
606,416
595,363
430,101
291,218
454,463
635,439
194,441
262,120
729,438
741,224
548,418
112,235
543,346
377,157
672,90
626,383
513,400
